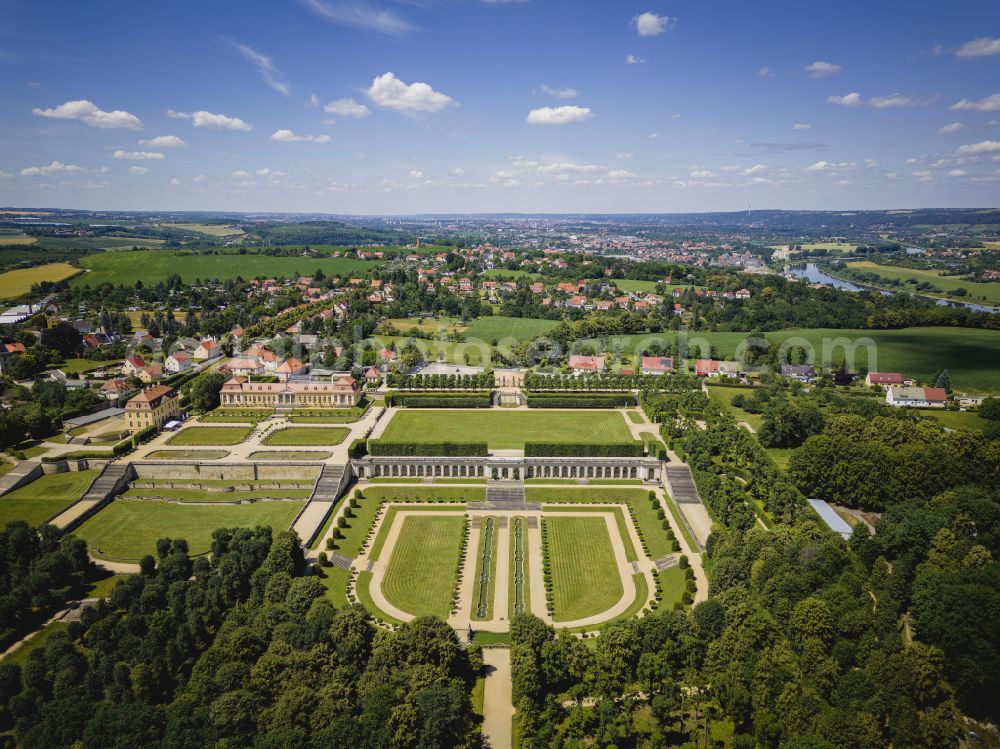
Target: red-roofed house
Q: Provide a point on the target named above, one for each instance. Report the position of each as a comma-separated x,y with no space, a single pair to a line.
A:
706,368
885,379
657,365
916,397
582,364
208,350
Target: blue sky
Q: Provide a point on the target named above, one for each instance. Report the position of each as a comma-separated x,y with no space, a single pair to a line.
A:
408,106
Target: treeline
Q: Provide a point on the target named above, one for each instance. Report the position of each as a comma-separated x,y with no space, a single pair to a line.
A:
239,649
539,382
580,400
483,381
450,449
438,400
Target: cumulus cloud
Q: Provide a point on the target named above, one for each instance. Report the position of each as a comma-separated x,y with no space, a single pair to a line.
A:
755,169
559,93
852,99
56,167
958,173
137,169
824,166
633,60
801,126
821,69
163,141
621,174
139,155
989,103
87,112
390,92
983,47
896,100
416,174
361,15
650,24
765,72
951,128
287,136
211,120
985,146
265,66
558,115
347,108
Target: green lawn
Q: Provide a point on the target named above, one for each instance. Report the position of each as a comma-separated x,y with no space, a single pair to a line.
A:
491,329
420,578
335,581
210,436
518,585
585,577
506,430
969,420
307,436
20,656
635,417
630,553
982,292
102,585
486,557
194,495
723,396
357,527
673,581
426,493
188,454
128,529
289,455
76,366
151,266
44,497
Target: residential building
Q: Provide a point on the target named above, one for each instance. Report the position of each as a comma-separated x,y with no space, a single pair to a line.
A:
800,372
179,361
916,397
584,364
152,407
208,350
884,379
115,388
656,365
245,366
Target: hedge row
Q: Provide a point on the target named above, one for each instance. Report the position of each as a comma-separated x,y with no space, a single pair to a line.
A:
450,449
439,400
581,400
583,450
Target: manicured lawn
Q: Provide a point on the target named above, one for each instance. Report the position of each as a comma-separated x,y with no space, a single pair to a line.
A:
673,581
194,495
584,494
426,493
44,497
335,581
780,456
357,527
365,598
157,265
128,529
188,454
76,366
638,603
420,578
102,587
378,543
235,416
506,430
289,455
307,436
585,577
635,417
969,420
491,329
518,586
724,397
210,436
13,283
619,515
486,558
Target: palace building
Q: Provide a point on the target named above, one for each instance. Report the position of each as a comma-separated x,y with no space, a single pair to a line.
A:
152,407
239,391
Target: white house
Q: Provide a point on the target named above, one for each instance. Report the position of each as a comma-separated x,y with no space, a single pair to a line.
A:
916,397
179,361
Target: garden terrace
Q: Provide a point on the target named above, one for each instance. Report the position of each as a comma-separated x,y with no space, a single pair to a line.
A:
604,468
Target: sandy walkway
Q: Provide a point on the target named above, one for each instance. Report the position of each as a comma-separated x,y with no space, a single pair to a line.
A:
497,706
536,580
469,585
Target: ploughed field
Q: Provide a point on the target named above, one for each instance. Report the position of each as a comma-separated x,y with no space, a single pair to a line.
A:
506,430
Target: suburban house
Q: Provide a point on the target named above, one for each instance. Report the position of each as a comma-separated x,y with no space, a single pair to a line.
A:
372,375
245,366
656,365
884,379
290,367
344,393
730,368
800,372
152,407
151,373
916,397
179,361
584,364
133,365
208,350
706,367
115,388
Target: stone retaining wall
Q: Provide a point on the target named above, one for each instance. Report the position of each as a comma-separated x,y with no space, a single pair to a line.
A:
227,471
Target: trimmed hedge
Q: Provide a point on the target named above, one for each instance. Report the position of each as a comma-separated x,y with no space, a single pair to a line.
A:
451,449
583,450
358,449
439,400
581,400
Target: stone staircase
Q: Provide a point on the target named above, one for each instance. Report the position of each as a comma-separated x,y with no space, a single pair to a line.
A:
507,496
328,485
681,485
113,479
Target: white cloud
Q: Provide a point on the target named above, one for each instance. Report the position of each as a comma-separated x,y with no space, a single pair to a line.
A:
174,182
416,174
287,136
824,166
558,115
623,155
163,141
139,155
765,72
268,72
896,100
347,108
241,174
56,167
559,93
986,146
801,126
568,167
650,24
951,128
212,120
755,169
620,174
958,173
138,169
653,136
852,99
390,92
923,176
5,174
633,60
984,47
88,113
702,173
362,16
313,100
989,103
821,69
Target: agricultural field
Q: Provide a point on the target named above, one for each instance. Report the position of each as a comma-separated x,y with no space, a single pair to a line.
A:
14,283
44,497
212,230
127,529
296,436
209,436
135,316
491,329
648,287
507,430
585,576
420,577
98,243
153,266
988,292
433,325
7,240
828,246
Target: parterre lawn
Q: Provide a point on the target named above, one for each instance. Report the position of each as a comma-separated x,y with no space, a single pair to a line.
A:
420,578
127,529
585,577
210,436
504,429
44,497
295,436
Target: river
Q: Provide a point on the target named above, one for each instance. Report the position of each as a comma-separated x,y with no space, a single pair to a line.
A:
811,272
